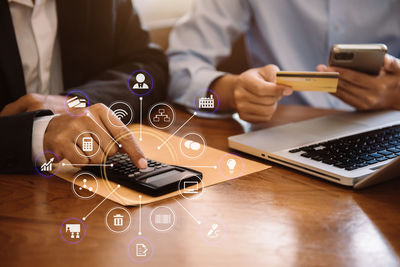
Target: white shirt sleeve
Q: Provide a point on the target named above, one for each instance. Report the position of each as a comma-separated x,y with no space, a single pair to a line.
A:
39,128
200,41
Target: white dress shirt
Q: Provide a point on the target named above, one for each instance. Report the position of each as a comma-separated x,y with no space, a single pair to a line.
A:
35,26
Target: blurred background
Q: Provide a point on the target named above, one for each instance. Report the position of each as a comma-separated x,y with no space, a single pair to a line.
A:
159,16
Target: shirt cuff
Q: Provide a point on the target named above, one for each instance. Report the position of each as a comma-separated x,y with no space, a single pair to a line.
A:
39,128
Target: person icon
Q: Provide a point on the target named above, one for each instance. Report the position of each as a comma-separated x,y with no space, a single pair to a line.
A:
140,84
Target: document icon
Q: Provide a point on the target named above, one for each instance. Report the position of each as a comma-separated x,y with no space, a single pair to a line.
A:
141,250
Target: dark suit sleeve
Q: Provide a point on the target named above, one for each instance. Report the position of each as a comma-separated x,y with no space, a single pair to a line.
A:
16,141
131,51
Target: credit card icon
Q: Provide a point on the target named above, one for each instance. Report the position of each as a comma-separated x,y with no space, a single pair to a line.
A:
76,102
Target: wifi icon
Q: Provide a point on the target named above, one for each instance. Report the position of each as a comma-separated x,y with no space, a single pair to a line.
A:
120,113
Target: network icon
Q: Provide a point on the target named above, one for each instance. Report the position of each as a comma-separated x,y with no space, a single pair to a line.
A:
161,115
85,186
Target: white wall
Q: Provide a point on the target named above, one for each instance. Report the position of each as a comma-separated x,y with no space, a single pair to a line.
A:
161,13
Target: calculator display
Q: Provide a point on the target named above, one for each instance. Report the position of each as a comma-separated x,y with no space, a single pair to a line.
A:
155,179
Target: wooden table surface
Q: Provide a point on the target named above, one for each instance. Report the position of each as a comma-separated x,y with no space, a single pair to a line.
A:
277,217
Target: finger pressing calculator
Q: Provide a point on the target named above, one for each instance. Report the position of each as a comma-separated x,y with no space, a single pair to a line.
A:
157,179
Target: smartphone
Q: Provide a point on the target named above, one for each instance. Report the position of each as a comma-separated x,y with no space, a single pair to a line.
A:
367,58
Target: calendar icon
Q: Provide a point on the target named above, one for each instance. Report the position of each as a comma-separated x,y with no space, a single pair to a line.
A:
87,144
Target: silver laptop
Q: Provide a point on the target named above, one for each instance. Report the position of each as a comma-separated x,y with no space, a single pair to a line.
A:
355,149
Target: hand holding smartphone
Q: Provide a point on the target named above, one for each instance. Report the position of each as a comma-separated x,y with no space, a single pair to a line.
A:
368,78
367,58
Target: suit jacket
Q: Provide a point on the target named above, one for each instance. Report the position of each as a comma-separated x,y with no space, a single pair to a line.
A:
102,43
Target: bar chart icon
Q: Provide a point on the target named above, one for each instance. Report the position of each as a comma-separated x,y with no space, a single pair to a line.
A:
48,166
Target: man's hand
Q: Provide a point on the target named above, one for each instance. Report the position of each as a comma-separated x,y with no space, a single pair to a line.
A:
366,92
32,102
255,94
62,131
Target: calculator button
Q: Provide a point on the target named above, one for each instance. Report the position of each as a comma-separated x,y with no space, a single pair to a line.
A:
132,175
148,169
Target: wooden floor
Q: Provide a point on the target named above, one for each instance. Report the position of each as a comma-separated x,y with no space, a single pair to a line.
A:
277,217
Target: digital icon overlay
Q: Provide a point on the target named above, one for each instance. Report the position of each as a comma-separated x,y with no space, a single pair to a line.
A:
230,165
140,82
84,185
191,189
76,103
121,111
87,144
140,249
213,230
206,101
162,218
192,145
118,219
72,230
45,164
161,116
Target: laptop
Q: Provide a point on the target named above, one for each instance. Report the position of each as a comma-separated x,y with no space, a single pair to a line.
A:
356,149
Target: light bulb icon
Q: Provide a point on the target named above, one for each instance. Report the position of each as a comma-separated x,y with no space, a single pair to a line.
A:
231,165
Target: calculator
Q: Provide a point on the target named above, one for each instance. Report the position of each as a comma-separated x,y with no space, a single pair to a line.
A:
156,180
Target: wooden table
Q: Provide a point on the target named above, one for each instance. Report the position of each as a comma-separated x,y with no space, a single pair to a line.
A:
277,217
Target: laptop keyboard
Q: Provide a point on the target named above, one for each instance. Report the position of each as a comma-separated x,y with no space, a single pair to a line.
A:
356,151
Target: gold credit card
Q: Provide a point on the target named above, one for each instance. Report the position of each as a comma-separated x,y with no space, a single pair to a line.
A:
309,80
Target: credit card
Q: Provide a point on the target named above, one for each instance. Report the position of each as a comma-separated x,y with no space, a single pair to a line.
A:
309,80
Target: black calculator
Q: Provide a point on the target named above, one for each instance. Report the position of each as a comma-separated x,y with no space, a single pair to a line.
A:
157,179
